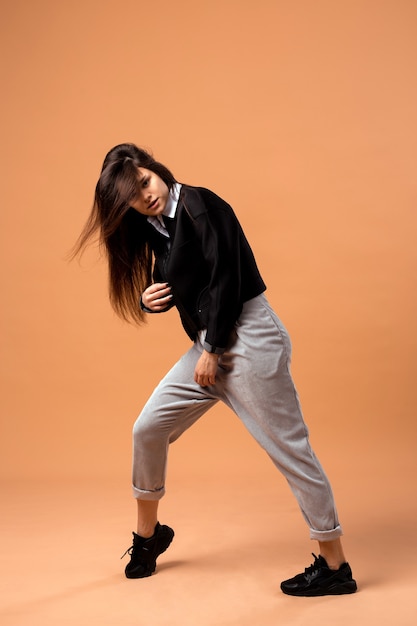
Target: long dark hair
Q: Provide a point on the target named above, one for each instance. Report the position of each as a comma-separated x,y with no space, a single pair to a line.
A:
121,230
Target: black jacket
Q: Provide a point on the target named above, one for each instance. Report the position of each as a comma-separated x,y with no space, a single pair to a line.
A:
209,265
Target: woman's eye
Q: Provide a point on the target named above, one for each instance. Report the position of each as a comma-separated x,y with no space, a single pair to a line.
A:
145,182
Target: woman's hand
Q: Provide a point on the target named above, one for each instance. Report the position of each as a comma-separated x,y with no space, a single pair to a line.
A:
206,369
156,297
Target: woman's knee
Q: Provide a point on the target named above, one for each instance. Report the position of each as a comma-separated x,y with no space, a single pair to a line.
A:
147,429
143,428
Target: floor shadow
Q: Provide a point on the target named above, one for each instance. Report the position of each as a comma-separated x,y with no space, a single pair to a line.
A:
22,607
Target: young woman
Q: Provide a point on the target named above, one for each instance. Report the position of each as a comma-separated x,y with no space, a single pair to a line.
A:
169,245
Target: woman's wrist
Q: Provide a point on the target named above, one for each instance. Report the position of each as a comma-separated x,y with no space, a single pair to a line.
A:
212,355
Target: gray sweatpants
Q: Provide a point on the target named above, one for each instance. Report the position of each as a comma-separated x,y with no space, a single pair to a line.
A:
254,380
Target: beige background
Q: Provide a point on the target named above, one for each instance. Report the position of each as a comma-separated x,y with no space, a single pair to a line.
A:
302,114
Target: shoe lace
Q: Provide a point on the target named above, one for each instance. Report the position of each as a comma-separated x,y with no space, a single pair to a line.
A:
312,569
128,551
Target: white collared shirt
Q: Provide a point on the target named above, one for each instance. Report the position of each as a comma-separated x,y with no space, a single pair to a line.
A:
157,221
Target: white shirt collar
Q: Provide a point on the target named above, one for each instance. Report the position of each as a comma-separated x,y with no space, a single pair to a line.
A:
169,211
172,202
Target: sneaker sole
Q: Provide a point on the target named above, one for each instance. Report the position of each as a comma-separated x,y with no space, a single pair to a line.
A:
349,586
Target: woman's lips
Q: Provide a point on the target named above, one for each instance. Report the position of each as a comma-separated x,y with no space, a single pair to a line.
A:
153,204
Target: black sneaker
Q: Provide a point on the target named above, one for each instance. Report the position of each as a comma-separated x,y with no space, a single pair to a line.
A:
320,580
144,552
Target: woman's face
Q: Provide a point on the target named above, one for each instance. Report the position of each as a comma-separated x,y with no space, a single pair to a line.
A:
153,193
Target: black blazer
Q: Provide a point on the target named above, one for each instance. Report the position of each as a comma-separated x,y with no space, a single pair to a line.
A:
208,264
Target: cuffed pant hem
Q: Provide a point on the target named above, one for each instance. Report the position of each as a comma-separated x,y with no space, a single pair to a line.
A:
326,535
143,494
